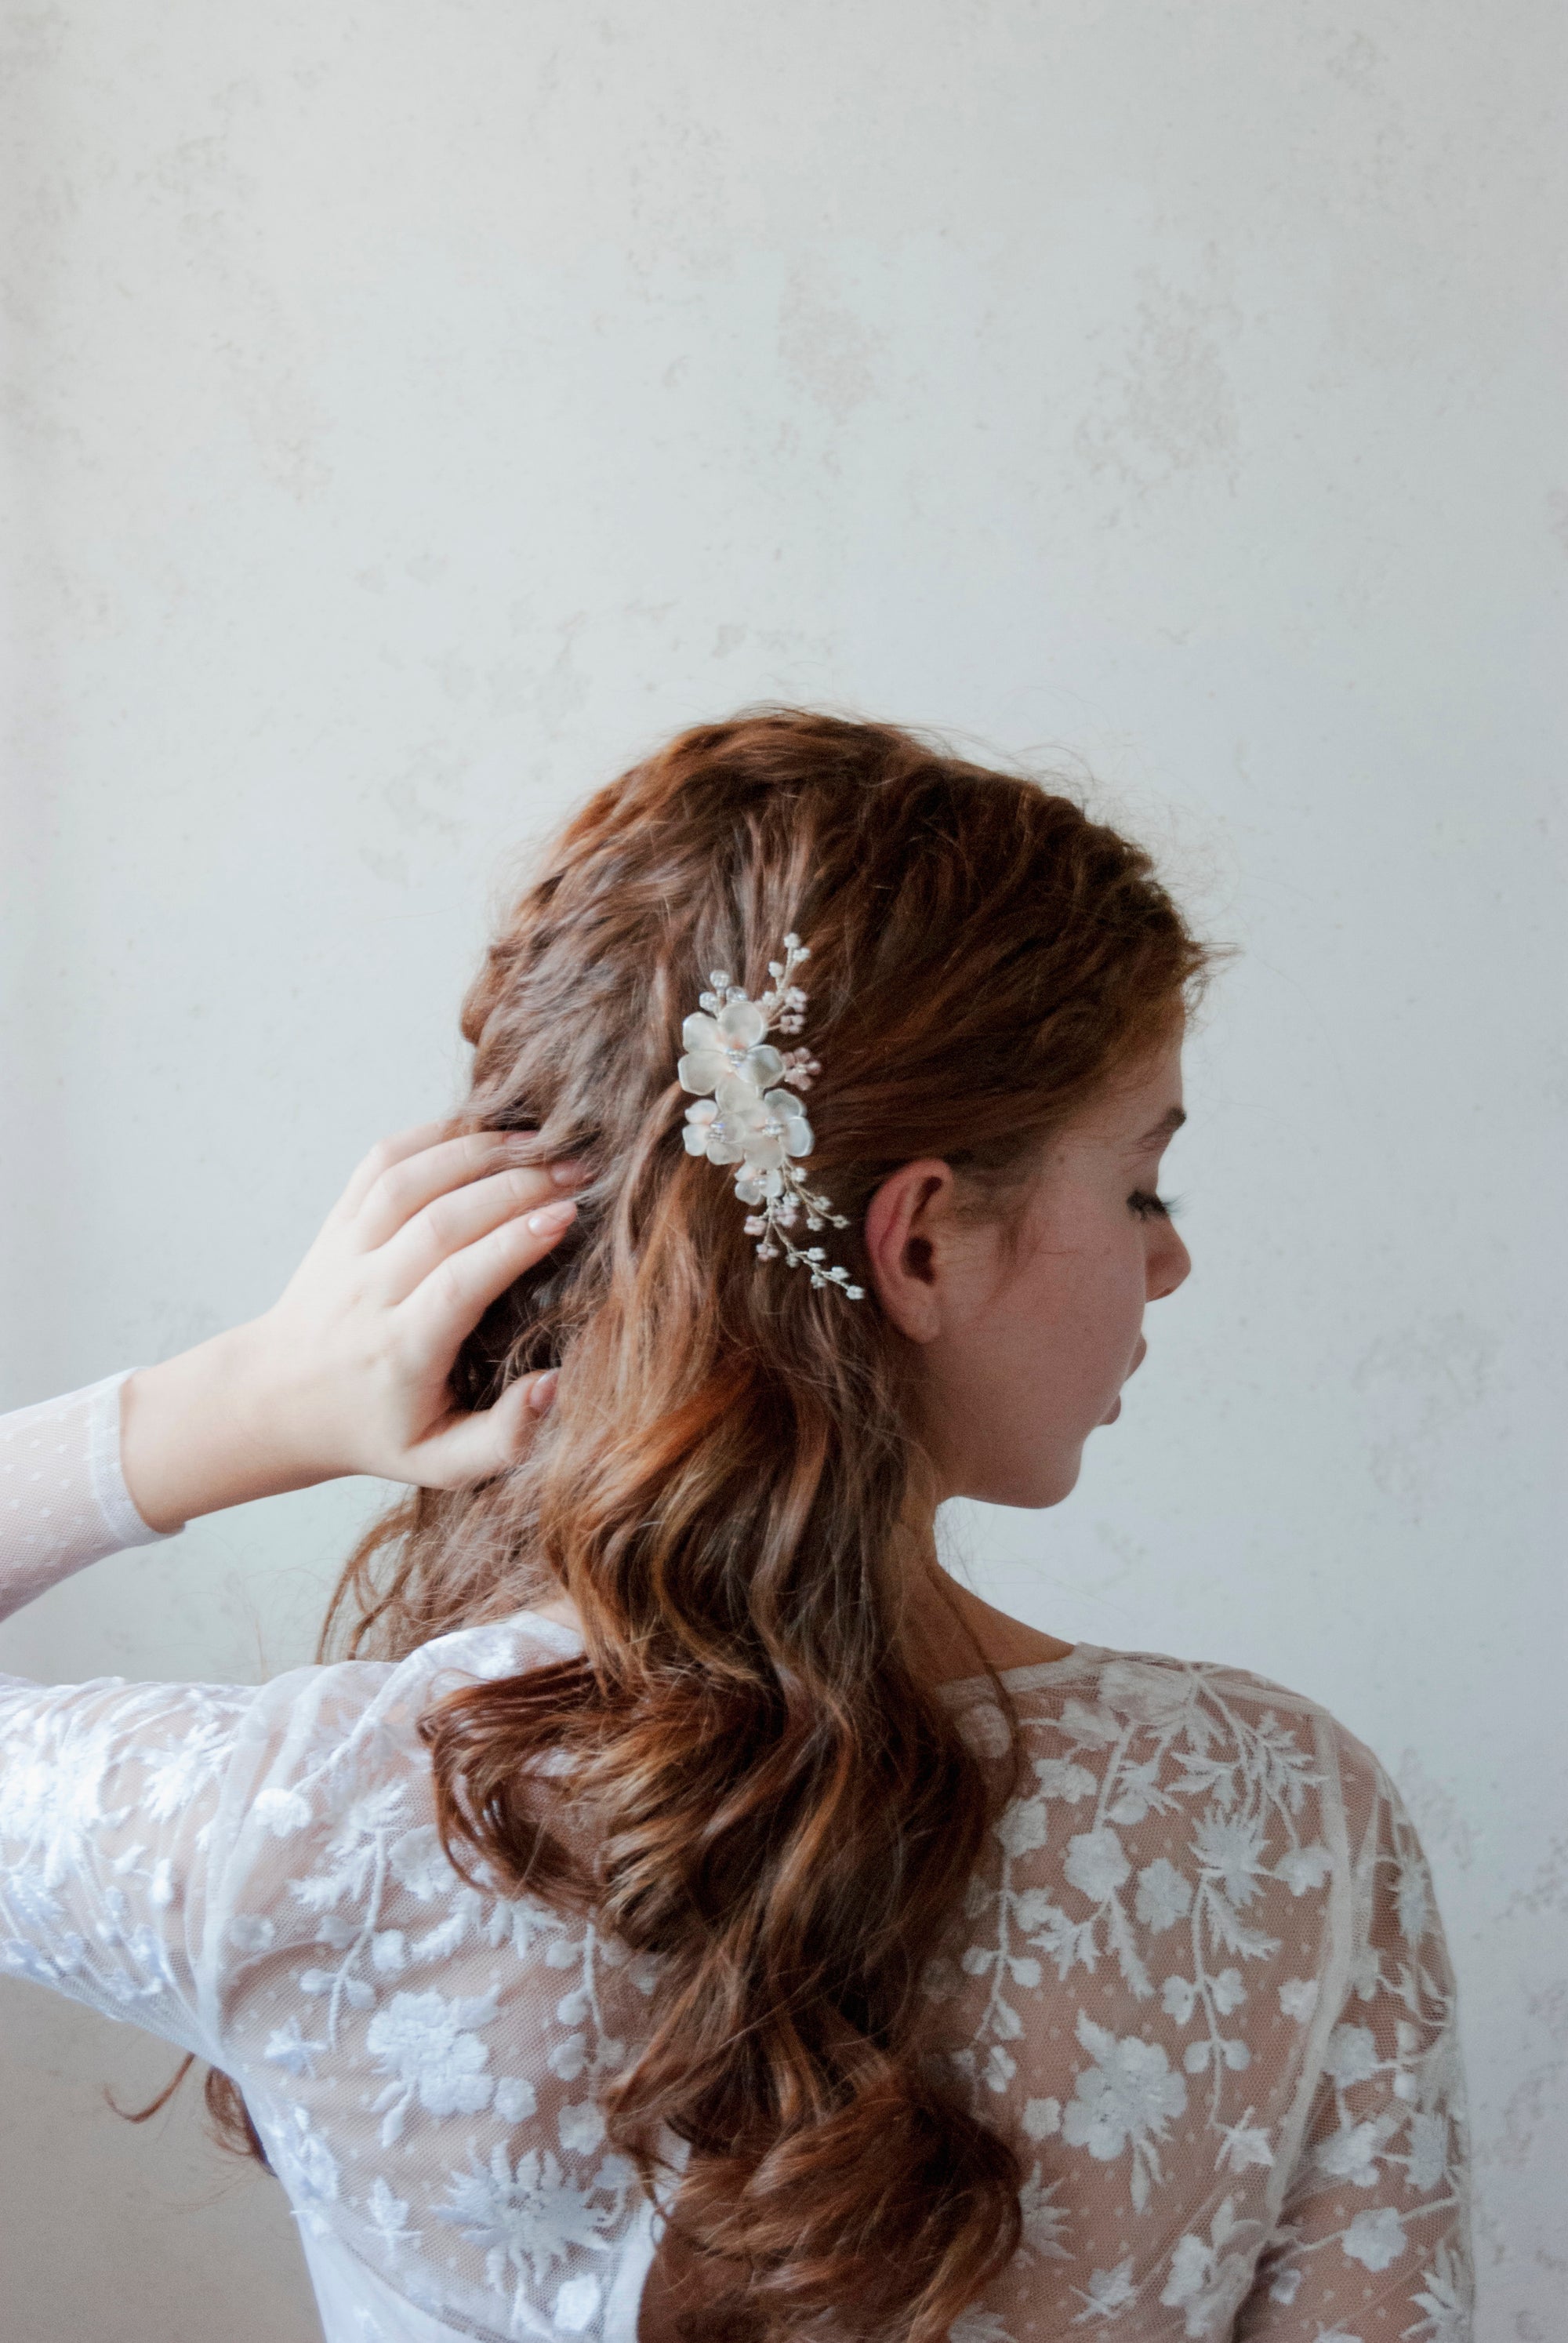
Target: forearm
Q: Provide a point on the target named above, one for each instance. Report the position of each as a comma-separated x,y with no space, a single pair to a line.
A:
193,1438
64,1502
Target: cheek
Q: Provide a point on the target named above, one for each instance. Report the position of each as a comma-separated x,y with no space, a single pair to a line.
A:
1082,1318
1021,1384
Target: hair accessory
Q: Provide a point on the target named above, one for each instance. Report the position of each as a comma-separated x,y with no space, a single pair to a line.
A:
740,1117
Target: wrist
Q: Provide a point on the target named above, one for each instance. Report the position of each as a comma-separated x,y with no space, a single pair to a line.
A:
198,1435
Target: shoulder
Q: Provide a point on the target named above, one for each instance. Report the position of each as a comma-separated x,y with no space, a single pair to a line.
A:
1276,1722
1254,1777
1123,1689
328,1780
493,1649
314,1740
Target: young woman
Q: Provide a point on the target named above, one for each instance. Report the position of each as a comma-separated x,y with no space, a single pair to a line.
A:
685,1910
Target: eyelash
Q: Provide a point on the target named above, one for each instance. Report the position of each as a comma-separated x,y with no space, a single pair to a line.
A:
1151,1207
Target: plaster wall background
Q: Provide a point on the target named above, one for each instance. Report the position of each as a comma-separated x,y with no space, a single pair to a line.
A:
410,415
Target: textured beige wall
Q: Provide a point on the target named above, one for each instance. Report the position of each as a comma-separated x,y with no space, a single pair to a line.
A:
411,412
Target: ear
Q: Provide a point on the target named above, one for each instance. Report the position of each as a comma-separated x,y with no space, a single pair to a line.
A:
907,1231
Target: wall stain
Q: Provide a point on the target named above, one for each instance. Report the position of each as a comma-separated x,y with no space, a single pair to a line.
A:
1548,1892
1434,1810
1415,1385
1169,408
825,350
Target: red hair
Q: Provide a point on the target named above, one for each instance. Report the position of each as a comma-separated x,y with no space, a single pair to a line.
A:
784,1813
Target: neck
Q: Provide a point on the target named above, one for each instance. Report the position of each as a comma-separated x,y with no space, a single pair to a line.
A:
953,1632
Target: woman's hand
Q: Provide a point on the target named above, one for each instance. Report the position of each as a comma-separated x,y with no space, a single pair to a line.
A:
347,1371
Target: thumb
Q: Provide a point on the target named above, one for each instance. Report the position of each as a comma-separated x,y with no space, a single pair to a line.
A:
476,1447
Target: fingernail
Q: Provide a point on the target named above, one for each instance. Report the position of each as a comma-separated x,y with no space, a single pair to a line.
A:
551,1217
543,1392
570,1173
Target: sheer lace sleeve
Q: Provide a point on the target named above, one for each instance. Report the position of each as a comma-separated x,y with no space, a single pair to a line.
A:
109,1792
1373,2239
63,1498
110,1797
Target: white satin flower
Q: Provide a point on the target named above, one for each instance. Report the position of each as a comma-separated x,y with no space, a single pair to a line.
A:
706,1134
729,1044
769,1128
755,1131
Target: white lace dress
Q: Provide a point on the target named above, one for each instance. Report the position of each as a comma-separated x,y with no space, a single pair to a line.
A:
1200,1979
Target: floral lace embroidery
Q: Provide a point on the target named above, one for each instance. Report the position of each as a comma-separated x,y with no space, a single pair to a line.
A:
1192,1762
1199,1978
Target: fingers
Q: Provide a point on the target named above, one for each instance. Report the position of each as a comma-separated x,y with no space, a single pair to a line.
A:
412,1182
448,1303
380,1159
451,1222
476,1447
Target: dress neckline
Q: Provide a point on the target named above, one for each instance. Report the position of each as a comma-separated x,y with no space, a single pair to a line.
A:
1032,1673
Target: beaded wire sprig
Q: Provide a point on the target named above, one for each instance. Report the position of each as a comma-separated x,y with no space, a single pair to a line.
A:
742,1114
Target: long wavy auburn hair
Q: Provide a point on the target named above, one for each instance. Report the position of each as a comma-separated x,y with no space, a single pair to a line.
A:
783,1810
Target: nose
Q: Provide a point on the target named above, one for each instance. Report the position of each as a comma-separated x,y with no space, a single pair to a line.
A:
1169,1264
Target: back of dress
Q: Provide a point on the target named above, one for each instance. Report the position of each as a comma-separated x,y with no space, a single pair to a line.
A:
1199,1980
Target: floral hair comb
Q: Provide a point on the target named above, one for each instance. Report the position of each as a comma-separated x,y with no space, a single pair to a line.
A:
742,1114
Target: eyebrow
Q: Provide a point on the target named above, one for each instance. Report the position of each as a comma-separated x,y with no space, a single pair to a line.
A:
1171,1120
